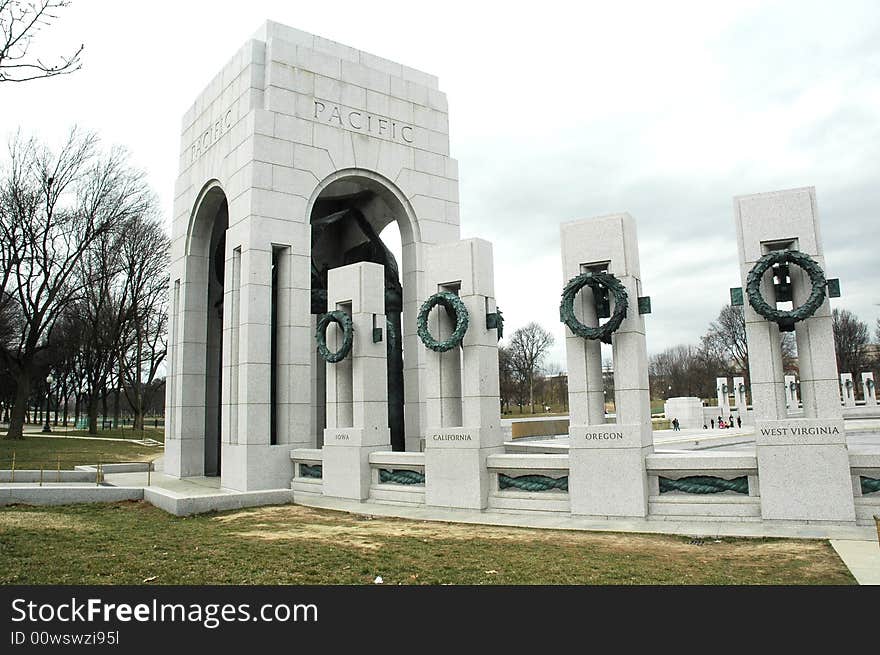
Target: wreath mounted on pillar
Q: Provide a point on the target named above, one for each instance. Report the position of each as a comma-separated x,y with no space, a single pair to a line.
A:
595,281
455,308
344,321
786,319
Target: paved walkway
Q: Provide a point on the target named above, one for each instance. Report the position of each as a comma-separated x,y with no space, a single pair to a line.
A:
862,558
182,487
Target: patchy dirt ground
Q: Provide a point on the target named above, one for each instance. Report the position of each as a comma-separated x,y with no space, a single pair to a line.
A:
292,544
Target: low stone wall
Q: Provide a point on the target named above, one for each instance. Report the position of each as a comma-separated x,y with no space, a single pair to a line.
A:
186,506
47,476
704,486
862,411
397,478
308,474
123,467
865,469
67,495
529,482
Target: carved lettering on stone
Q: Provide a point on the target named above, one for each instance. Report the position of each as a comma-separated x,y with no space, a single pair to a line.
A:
360,121
210,136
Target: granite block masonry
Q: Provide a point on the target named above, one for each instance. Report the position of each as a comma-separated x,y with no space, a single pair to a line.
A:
357,407
293,130
461,383
847,390
722,389
293,160
792,402
803,463
607,475
688,411
868,390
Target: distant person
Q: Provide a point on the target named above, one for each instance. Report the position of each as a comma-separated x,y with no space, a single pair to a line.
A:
712,421
730,421
675,427
739,422
704,427
720,421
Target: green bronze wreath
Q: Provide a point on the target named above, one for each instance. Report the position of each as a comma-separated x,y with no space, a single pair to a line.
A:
594,281
344,321
454,307
786,319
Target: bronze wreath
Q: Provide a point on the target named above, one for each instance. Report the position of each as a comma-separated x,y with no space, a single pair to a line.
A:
455,308
344,321
594,281
786,319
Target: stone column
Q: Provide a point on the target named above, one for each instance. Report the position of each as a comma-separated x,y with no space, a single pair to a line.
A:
792,402
723,390
462,391
847,390
869,390
803,464
739,396
607,461
357,403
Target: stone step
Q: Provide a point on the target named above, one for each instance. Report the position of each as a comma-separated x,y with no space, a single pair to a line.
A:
690,518
867,507
550,502
707,508
401,494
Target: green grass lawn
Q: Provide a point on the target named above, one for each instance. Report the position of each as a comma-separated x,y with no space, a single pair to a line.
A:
32,451
129,543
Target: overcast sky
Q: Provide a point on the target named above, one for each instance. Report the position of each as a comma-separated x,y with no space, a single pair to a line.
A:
558,111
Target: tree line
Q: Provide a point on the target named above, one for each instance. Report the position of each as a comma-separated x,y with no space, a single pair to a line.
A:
692,369
83,282
529,383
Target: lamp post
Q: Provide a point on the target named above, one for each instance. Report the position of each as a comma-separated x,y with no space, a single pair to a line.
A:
49,381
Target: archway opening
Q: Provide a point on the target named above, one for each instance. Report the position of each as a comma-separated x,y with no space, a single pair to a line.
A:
216,266
349,220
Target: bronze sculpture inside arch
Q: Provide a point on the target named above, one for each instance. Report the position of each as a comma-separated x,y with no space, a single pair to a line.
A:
338,217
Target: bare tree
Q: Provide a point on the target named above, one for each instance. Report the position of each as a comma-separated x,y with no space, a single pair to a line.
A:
145,256
528,348
103,314
727,337
686,370
851,338
20,22
726,341
53,207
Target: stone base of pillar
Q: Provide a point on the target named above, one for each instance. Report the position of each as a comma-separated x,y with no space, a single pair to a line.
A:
346,466
455,466
607,475
804,471
255,467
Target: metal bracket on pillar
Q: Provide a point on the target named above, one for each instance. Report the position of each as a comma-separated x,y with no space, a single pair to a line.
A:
736,296
495,321
644,304
833,288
